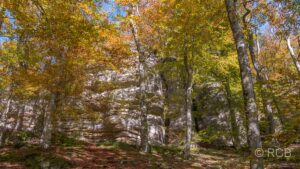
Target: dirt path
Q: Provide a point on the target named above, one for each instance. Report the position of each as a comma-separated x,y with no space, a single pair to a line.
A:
93,157
90,157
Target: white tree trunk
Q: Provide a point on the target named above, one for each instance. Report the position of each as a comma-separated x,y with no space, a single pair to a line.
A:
189,122
293,55
4,120
188,105
247,84
165,89
265,90
142,86
47,127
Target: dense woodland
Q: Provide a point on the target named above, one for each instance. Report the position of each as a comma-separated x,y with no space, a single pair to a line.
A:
149,83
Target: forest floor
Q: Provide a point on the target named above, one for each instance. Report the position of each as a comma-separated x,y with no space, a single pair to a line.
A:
122,156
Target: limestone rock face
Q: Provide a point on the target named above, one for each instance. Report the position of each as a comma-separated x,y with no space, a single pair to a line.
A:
114,96
213,115
108,108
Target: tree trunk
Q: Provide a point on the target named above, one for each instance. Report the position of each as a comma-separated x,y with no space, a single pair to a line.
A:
234,127
3,121
167,130
293,55
142,87
20,118
36,114
262,79
267,103
189,121
166,90
188,107
167,120
247,84
47,127
276,104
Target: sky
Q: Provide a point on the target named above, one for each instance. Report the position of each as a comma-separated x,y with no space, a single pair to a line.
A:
112,9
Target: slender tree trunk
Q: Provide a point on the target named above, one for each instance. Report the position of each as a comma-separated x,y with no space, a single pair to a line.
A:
267,103
262,77
167,120
247,84
20,118
263,82
234,127
189,121
276,104
3,121
35,112
167,130
142,87
293,55
188,107
47,127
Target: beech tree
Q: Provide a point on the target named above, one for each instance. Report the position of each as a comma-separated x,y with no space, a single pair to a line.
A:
247,83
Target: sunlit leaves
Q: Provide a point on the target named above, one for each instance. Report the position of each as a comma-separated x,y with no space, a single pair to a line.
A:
54,44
